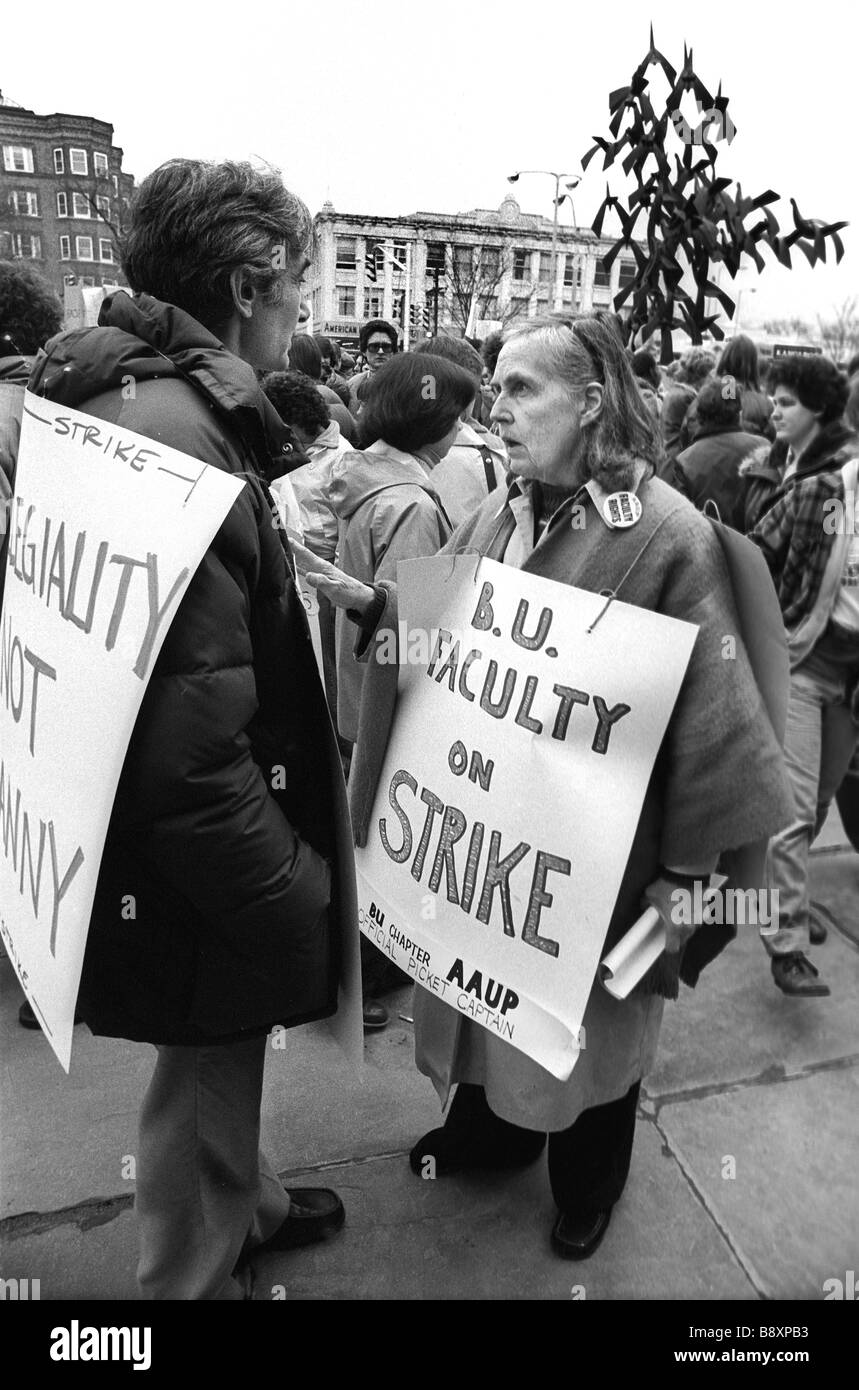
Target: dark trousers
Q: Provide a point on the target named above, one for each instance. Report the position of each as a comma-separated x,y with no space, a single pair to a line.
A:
588,1163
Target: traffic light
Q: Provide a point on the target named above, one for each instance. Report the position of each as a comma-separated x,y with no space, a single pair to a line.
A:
371,261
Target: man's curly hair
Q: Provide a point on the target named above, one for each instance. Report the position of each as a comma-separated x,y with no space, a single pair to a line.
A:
30,311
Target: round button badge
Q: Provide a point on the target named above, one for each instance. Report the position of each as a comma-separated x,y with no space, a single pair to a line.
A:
622,509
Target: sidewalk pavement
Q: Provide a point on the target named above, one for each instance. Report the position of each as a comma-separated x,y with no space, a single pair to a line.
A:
743,1181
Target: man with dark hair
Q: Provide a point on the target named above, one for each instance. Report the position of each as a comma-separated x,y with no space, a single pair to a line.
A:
378,341
229,826
30,313
709,469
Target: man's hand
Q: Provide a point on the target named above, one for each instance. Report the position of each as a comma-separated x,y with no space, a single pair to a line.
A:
339,588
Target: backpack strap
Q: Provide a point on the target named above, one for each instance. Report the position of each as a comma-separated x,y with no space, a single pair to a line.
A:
488,468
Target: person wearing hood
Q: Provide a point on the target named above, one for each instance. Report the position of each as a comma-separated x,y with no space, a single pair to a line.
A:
389,510
476,462
387,506
30,314
809,537
243,880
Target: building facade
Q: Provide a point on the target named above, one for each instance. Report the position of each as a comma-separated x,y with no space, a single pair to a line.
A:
473,271
63,196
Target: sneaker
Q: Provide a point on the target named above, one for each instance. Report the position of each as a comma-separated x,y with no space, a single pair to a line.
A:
795,974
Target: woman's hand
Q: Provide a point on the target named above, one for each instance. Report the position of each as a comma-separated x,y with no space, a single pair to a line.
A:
339,588
676,906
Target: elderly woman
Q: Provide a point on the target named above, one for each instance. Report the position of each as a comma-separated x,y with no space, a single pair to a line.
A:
577,431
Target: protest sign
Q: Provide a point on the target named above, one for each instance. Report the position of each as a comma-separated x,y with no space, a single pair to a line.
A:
106,530
524,739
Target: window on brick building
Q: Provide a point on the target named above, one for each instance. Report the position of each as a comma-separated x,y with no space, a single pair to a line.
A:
346,300
374,304
84,248
521,265
62,204
17,159
59,162
100,165
65,248
26,245
602,277
102,202
78,162
545,267
81,205
24,204
105,249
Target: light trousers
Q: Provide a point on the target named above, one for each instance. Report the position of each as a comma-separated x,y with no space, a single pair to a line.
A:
820,740
204,1189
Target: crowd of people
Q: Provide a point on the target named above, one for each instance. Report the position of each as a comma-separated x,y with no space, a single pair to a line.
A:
245,886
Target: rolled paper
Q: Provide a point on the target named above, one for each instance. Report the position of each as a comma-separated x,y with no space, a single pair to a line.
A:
633,955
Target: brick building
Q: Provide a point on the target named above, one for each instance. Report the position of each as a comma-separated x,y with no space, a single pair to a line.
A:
63,196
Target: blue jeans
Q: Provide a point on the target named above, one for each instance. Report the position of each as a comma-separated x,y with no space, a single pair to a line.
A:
820,740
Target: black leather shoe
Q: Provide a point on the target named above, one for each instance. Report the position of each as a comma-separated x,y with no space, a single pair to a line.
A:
315,1213
794,974
457,1152
576,1237
375,1014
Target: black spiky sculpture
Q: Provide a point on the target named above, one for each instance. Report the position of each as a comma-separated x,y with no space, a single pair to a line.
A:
693,218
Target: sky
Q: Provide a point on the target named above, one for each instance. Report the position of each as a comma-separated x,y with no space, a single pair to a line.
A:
389,107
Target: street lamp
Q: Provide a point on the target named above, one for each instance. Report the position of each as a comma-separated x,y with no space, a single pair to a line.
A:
746,289
572,182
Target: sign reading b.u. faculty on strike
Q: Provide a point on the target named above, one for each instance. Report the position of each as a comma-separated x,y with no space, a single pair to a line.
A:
106,529
524,739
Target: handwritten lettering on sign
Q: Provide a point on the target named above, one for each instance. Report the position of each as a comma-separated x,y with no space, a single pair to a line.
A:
106,530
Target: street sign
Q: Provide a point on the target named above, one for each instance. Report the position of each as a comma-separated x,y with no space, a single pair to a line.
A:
796,350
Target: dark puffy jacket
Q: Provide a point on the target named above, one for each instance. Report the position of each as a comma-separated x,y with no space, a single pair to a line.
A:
709,471
756,408
14,372
231,798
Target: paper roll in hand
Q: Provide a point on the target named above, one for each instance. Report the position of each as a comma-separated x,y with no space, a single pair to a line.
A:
633,955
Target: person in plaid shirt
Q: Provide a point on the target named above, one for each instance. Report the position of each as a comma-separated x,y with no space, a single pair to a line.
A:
810,540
